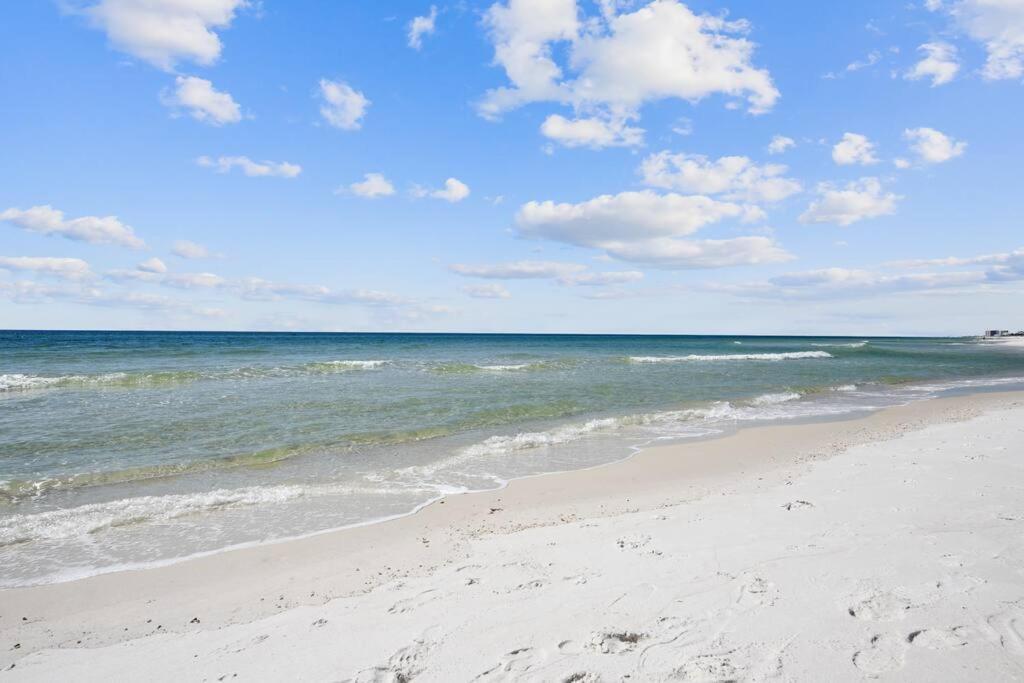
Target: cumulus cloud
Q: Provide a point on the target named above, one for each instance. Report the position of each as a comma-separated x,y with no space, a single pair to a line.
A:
255,169
735,177
999,26
627,216
163,32
780,143
593,132
194,280
854,149
454,190
932,146
939,64
856,201
488,290
422,26
645,227
66,268
93,229
152,265
373,185
617,62
190,250
519,270
202,101
343,107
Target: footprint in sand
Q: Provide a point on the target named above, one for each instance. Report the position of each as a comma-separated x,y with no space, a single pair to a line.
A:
939,638
404,665
755,591
615,642
409,604
514,664
710,667
1008,628
884,654
894,604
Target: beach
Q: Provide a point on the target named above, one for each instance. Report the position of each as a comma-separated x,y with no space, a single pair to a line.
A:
884,546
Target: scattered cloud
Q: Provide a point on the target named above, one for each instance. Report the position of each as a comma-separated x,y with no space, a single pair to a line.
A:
194,280
190,250
488,290
92,229
373,185
873,58
932,146
422,26
519,270
939,64
615,63
780,143
202,101
593,132
856,201
343,107
854,149
999,26
152,265
454,190
280,169
66,268
735,177
163,32
644,227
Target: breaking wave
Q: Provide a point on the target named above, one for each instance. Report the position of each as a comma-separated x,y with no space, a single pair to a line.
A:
789,355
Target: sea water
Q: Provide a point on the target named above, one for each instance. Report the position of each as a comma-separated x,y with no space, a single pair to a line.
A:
130,448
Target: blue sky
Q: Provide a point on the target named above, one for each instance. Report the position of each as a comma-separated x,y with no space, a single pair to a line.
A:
534,165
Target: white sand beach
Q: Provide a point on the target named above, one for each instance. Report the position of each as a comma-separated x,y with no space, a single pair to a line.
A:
887,547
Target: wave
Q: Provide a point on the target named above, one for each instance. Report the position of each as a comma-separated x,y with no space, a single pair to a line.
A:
474,368
26,382
96,517
788,355
773,399
844,345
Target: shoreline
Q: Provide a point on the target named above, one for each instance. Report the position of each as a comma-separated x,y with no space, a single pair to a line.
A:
313,570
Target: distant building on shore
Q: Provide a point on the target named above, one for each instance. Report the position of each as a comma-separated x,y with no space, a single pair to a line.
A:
1002,333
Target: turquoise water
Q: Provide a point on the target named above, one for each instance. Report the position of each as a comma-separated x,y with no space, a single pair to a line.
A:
122,448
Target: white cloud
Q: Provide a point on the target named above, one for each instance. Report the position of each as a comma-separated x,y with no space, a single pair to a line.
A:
854,149
488,290
999,26
190,250
373,185
602,279
618,62
901,163
626,216
735,177
644,227
162,32
858,200
519,270
932,146
454,190
780,143
422,26
988,259
939,64
194,280
873,58
343,107
66,268
203,102
93,229
281,169
593,132
690,254
152,265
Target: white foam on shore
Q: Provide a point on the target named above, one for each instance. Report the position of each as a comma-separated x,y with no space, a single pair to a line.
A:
788,355
845,345
354,364
77,522
503,368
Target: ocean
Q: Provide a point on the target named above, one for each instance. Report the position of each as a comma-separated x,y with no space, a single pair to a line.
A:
125,449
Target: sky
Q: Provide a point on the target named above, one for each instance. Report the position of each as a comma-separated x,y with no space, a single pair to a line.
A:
605,166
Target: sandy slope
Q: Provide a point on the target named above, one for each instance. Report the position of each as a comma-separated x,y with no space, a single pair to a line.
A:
900,558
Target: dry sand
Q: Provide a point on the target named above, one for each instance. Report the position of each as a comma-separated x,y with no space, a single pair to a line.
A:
890,546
